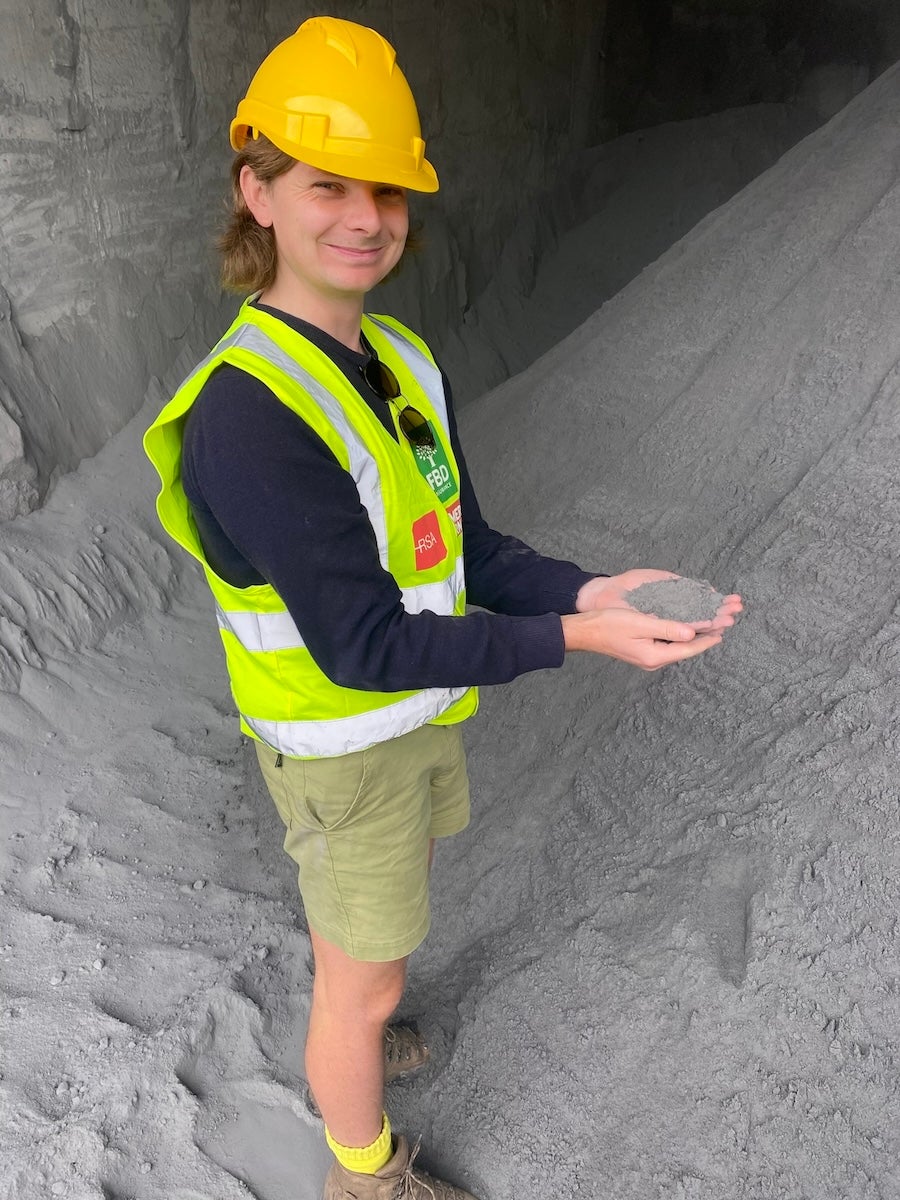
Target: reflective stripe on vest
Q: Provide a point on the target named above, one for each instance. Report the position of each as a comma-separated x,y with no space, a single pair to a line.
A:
261,632
303,739
363,467
424,370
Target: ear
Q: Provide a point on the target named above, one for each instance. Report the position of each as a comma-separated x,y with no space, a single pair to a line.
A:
256,197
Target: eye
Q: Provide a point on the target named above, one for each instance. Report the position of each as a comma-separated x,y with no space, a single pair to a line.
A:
327,185
390,192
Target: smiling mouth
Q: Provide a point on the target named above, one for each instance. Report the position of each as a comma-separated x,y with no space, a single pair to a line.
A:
362,251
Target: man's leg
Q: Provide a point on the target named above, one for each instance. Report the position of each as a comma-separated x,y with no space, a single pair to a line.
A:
351,1004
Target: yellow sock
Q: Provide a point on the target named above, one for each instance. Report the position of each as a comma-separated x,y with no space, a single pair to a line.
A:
365,1159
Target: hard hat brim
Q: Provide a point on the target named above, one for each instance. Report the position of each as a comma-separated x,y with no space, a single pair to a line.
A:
374,168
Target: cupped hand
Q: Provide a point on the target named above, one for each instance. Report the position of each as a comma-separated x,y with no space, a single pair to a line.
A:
633,637
600,594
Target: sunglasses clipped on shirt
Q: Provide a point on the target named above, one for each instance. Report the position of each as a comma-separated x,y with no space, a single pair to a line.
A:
413,425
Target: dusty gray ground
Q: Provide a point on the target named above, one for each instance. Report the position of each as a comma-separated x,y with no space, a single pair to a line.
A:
664,962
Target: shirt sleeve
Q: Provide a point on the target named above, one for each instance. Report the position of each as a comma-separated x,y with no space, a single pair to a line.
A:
263,482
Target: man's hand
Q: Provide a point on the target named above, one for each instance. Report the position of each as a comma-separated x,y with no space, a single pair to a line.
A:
606,623
598,595
633,637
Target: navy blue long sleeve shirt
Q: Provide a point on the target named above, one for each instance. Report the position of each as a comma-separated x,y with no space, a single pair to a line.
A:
272,504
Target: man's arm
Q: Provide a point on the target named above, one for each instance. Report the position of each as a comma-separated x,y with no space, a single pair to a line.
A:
292,515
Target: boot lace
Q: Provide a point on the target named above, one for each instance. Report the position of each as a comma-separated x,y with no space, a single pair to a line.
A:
416,1185
413,1187
397,1050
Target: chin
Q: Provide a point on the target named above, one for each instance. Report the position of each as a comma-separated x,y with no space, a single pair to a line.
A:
360,282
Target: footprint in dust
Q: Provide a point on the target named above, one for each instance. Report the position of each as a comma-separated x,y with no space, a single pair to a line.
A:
725,911
251,1126
265,1145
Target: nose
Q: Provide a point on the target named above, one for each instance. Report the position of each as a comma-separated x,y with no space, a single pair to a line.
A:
362,212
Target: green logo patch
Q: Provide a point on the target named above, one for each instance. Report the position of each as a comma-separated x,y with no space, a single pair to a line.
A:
434,467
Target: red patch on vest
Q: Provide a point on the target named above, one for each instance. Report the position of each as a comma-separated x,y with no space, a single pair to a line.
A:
428,543
454,512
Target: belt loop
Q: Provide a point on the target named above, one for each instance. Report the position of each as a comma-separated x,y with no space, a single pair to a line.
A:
279,759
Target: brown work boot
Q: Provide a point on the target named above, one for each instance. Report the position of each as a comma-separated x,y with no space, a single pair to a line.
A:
404,1052
395,1181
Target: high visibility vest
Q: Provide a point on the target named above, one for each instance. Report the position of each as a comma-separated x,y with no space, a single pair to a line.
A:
283,697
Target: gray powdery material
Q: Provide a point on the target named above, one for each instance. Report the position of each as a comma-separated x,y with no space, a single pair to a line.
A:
677,599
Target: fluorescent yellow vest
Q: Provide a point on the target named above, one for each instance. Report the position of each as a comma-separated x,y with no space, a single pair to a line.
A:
284,699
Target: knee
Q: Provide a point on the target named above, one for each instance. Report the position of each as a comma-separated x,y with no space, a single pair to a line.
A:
367,995
383,1002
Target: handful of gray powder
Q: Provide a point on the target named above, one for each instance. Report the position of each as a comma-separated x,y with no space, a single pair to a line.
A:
677,599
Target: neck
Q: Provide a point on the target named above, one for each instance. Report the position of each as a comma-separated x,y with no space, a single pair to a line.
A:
341,316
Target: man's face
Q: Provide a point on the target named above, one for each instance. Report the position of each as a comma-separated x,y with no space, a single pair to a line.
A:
335,236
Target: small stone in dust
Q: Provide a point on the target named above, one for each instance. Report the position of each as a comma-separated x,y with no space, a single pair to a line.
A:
677,599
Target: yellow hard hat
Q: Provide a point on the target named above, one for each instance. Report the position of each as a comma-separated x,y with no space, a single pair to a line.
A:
333,96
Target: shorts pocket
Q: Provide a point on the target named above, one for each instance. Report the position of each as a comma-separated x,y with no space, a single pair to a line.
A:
323,793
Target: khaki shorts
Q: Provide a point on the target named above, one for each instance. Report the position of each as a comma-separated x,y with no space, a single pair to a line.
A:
358,827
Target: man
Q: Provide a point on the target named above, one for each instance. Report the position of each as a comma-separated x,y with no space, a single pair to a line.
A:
311,464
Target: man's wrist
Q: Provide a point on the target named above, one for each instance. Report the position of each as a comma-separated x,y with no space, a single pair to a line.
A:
585,594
